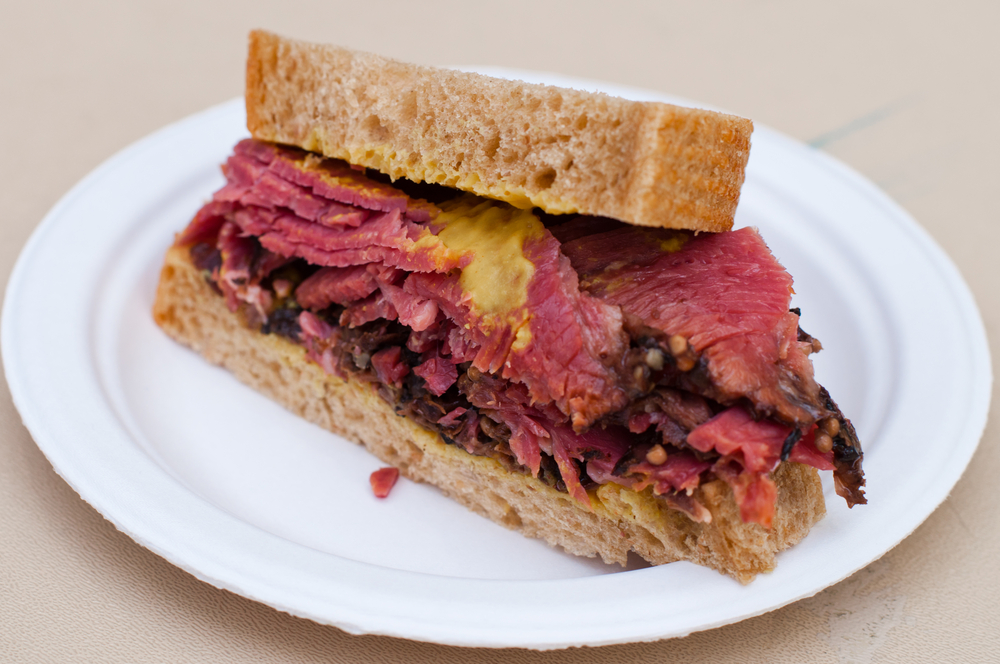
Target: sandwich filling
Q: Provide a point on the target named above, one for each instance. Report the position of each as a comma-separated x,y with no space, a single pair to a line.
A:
579,350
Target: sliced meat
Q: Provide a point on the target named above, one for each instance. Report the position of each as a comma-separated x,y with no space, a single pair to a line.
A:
452,416
722,294
389,365
439,373
510,404
542,332
681,471
734,431
755,493
367,310
333,179
750,450
384,238
206,224
335,285
244,263
597,447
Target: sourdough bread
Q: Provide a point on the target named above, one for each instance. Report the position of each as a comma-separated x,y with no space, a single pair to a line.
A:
644,163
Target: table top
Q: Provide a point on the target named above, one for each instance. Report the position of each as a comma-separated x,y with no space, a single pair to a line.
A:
904,92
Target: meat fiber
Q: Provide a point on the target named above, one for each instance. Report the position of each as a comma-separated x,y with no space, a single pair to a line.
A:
324,211
328,179
336,285
724,294
560,343
750,450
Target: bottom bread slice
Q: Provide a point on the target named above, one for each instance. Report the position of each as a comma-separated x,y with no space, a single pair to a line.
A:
622,520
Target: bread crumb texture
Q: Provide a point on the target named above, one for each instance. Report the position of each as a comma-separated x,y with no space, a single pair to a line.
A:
622,520
645,163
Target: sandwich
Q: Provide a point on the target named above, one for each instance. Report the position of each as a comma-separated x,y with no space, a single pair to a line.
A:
527,296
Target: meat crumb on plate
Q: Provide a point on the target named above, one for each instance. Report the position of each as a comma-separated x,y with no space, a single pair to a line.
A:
383,480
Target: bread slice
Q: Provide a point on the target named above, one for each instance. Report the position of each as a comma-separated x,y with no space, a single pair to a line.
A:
191,312
644,163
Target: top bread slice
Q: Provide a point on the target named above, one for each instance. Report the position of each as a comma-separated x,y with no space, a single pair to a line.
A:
562,150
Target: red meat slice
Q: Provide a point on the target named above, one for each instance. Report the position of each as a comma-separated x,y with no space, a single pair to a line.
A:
724,293
335,285
389,366
382,481
575,339
439,373
333,179
750,451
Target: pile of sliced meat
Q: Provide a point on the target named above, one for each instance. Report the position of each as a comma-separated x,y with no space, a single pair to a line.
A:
653,359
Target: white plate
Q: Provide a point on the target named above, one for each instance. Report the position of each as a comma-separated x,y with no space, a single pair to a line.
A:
245,496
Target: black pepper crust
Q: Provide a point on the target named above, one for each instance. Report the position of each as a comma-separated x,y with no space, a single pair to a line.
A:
848,477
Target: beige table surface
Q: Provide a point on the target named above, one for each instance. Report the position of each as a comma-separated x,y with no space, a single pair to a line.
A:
906,92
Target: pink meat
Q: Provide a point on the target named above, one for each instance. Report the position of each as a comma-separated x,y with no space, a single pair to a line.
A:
372,308
415,312
382,481
758,444
314,327
418,262
206,223
452,416
536,428
256,222
383,238
333,180
805,452
439,373
724,293
510,404
755,493
389,366
597,448
318,337
237,261
428,339
335,285
734,430
321,210
382,230
273,192
575,338
750,451
680,472
459,346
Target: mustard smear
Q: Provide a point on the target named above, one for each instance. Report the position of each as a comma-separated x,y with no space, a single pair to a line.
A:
494,233
674,243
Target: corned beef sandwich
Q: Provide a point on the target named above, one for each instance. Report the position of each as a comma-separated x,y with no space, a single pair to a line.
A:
508,290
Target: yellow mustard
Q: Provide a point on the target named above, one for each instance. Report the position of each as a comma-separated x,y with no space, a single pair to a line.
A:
494,233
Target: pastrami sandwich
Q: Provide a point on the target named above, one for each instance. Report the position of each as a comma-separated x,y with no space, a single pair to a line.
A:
525,295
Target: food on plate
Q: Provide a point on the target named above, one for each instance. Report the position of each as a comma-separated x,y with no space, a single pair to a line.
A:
527,296
382,481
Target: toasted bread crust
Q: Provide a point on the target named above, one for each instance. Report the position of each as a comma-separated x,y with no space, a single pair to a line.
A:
645,163
192,313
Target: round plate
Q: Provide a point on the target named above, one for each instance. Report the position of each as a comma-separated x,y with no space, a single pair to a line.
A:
240,493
